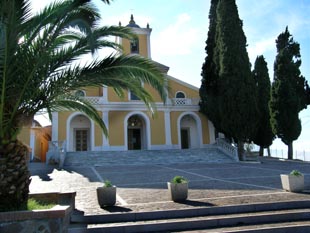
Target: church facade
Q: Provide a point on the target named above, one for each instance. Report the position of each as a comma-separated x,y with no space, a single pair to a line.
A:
177,124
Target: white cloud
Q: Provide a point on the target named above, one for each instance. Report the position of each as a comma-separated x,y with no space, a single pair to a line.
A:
261,47
177,38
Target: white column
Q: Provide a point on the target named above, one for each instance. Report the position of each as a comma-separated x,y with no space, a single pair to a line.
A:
32,142
105,118
168,129
105,94
148,38
54,126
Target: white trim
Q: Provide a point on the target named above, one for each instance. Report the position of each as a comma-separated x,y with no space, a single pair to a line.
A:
211,132
168,129
147,128
55,126
105,94
198,125
69,136
32,142
148,44
141,31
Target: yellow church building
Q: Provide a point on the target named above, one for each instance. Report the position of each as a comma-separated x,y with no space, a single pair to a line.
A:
177,124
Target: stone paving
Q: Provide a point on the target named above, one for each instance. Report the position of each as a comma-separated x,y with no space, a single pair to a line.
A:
143,186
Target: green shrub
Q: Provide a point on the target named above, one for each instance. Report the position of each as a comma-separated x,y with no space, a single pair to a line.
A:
296,173
107,183
179,180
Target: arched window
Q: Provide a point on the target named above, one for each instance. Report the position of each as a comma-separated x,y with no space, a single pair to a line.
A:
180,95
134,46
80,93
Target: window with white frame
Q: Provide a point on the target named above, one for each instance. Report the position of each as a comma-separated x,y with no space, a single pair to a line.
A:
180,95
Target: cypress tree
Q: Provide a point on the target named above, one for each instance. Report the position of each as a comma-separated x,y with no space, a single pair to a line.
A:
209,88
237,103
264,135
288,93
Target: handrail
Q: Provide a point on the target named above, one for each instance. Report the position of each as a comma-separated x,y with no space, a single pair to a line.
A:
57,151
227,148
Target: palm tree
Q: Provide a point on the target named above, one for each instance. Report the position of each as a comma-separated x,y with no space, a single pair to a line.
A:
39,70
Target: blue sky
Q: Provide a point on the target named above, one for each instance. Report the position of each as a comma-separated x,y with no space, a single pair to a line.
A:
180,30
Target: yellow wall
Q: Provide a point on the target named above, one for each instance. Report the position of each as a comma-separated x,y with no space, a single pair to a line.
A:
205,128
142,45
174,87
113,97
174,126
62,128
116,127
93,91
158,136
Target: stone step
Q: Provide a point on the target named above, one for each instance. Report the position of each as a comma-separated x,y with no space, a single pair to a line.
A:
189,212
287,227
206,222
195,218
90,158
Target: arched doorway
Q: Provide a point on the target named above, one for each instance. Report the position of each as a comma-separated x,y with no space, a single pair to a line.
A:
189,136
80,130
136,133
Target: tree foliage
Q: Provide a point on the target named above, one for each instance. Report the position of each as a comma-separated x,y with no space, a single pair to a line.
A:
264,135
288,93
39,70
209,82
237,103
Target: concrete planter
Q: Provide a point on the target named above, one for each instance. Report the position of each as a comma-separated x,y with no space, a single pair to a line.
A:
292,183
177,191
106,196
54,220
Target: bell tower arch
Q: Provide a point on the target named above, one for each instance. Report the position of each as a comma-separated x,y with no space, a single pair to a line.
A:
140,45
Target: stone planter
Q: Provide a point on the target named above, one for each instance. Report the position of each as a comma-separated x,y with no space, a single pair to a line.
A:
54,220
177,191
106,196
292,183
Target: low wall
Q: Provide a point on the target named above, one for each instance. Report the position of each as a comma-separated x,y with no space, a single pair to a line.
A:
54,220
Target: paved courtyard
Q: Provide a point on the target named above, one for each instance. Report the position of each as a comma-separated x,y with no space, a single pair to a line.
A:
143,186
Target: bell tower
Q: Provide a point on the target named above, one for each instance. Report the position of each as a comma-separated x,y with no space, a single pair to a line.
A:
140,45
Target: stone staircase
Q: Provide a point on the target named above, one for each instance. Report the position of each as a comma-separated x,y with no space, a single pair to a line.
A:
293,216
92,158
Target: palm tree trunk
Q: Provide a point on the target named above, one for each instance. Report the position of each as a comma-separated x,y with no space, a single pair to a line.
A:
290,150
14,175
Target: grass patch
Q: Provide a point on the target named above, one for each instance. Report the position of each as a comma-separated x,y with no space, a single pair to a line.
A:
32,204
38,205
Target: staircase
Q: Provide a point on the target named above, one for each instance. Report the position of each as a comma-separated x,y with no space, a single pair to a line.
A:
276,217
211,154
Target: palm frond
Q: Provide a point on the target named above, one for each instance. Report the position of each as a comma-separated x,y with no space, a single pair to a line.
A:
74,103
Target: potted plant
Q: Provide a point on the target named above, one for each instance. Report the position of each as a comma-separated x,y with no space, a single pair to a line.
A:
178,188
106,194
293,182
